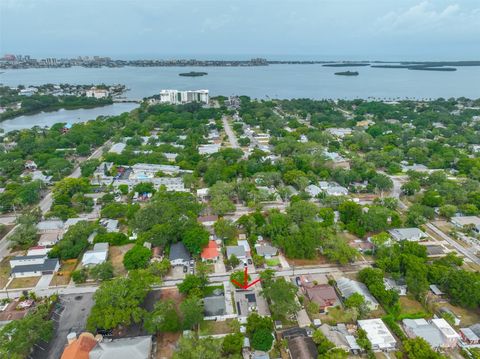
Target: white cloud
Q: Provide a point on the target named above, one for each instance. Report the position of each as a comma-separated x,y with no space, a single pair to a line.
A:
425,16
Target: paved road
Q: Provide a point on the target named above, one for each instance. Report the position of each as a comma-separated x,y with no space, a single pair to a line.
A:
46,201
398,181
231,135
465,251
213,278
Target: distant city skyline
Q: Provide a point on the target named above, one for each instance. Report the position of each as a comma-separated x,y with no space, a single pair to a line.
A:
215,29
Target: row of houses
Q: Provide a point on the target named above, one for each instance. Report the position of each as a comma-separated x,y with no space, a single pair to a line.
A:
36,262
140,173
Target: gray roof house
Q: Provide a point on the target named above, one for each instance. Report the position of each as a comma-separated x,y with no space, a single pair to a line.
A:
422,328
237,251
179,255
407,234
347,287
266,250
125,348
50,225
46,266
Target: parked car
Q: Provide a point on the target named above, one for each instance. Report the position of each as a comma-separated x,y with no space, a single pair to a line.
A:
249,260
185,269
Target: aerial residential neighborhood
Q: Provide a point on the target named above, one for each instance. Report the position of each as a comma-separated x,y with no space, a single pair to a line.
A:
289,179
354,255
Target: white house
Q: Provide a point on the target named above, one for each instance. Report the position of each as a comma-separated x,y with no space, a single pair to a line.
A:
450,336
97,93
313,190
208,149
207,221
30,165
49,226
37,176
38,250
336,191
111,225
462,221
117,148
378,334
339,132
407,234
97,255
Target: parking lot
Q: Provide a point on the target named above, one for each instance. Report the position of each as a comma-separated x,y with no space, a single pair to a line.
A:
70,315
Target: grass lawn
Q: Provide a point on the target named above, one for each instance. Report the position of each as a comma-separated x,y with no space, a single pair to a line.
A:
337,315
4,271
273,262
410,305
210,289
27,282
116,254
208,327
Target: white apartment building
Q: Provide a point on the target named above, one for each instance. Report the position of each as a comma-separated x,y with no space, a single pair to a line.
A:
176,97
97,93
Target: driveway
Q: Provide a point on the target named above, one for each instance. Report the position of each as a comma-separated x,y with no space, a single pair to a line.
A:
44,281
219,265
69,316
283,261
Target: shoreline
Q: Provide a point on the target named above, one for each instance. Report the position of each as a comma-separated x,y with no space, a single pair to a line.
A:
55,109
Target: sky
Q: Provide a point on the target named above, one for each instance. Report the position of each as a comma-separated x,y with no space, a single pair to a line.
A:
281,29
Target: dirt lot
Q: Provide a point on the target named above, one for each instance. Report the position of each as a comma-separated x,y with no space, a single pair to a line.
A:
116,254
27,282
65,272
166,344
307,262
166,341
11,313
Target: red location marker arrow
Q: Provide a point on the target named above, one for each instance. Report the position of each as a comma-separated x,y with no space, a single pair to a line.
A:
245,284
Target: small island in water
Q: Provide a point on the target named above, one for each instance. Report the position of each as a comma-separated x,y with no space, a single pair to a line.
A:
193,74
347,73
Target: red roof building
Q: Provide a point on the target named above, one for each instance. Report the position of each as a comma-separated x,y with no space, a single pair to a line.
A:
80,348
324,295
210,252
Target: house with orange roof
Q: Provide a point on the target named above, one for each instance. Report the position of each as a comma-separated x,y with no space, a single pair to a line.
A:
79,348
210,252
